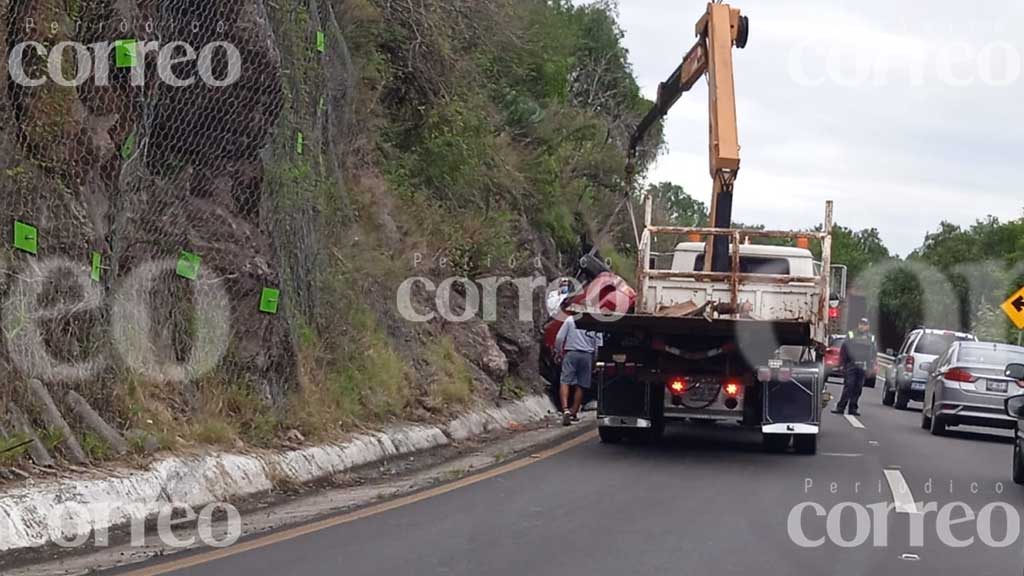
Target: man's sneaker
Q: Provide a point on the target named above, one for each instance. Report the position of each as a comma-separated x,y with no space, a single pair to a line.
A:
854,412
837,411
566,418
575,417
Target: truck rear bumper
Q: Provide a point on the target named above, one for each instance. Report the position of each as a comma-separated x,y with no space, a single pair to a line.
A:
789,429
623,422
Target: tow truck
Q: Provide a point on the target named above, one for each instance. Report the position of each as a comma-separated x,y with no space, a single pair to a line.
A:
722,329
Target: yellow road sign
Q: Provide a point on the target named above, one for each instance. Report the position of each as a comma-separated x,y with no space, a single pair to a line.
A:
1014,308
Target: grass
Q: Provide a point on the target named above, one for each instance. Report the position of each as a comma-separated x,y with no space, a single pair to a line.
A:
454,385
95,447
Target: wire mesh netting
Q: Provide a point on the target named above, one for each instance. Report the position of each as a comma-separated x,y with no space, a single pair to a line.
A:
163,168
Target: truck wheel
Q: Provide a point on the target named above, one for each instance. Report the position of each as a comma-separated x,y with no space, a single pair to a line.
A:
888,395
776,443
870,382
901,400
610,435
805,443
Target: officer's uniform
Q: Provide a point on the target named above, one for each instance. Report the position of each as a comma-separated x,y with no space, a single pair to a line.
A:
858,352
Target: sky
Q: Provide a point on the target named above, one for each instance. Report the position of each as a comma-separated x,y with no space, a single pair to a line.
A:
904,113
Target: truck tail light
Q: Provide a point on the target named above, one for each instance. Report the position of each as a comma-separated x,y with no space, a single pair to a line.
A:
960,375
833,313
908,364
677,386
732,389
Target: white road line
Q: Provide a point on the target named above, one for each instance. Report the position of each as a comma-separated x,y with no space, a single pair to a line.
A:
901,495
841,454
853,421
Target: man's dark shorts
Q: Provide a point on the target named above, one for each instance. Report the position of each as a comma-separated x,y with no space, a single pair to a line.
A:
577,368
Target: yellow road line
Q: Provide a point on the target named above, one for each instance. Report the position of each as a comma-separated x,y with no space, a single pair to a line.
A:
292,533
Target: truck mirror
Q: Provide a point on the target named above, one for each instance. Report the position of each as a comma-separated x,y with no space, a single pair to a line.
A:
838,283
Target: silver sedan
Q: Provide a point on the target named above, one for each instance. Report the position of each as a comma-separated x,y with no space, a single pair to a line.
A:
967,385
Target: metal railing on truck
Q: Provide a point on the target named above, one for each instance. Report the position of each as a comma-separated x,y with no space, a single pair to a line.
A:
735,276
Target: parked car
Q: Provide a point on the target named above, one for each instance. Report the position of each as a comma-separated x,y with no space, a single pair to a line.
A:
968,385
833,367
1015,409
906,379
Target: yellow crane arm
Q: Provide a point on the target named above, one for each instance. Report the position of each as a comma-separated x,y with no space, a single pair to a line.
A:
718,30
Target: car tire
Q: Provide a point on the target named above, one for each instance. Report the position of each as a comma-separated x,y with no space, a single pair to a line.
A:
610,435
888,396
805,443
1018,463
776,443
901,400
938,426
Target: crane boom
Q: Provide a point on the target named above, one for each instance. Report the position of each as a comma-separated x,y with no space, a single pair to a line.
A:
718,30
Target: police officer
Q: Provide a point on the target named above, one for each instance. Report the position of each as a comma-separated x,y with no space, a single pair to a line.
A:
858,352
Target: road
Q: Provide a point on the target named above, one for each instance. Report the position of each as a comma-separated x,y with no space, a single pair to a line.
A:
702,501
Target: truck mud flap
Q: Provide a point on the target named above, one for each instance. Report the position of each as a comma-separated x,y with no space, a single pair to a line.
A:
795,401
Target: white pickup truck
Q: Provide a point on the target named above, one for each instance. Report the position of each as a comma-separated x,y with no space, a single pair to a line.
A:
742,345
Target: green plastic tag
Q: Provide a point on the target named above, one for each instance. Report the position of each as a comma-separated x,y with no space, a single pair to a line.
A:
188,265
321,42
128,148
97,262
300,142
269,300
26,237
124,53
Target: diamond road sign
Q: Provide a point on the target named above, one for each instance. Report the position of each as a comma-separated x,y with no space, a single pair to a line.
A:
1014,308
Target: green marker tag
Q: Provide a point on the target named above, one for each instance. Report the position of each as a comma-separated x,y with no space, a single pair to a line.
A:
128,148
321,42
125,52
97,262
300,141
188,265
26,237
269,300
323,103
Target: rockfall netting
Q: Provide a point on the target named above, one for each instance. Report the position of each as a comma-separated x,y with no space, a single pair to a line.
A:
165,168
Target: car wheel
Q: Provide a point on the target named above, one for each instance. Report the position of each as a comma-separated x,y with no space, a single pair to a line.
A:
1018,463
938,427
610,435
805,443
901,400
870,382
888,395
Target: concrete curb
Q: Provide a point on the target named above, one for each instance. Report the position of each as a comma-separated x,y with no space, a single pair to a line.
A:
29,514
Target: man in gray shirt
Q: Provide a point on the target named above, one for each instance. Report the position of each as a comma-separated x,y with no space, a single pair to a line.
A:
578,349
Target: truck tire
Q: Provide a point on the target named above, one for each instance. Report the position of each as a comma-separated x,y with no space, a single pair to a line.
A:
805,443
776,443
888,395
926,421
610,435
870,382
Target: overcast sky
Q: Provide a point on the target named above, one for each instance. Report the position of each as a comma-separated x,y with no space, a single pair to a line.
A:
928,128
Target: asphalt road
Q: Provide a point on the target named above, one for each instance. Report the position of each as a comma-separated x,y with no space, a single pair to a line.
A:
703,501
